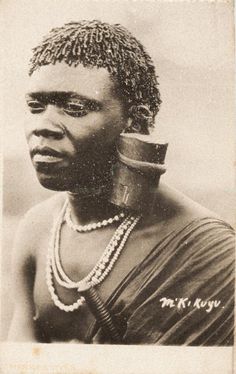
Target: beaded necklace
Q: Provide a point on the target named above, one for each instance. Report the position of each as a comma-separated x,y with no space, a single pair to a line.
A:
91,226
100,270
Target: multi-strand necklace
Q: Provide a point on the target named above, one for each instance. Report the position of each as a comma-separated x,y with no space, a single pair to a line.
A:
103,267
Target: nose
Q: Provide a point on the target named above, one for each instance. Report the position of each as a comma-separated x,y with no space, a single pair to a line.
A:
49,124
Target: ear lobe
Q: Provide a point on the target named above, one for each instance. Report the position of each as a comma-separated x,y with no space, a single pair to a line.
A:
128,124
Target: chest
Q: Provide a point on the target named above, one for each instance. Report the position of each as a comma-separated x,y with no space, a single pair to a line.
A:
79,252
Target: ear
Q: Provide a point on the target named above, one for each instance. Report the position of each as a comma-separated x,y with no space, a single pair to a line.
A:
128,125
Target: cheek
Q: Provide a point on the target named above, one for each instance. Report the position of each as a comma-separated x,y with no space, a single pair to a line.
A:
28,125
107,126
104,127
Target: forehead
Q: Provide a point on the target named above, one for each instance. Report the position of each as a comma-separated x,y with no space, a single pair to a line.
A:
91,82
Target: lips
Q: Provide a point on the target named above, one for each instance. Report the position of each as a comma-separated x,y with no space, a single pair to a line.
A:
46,158
46,155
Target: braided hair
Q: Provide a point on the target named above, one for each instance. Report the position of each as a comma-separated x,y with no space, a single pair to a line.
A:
94,43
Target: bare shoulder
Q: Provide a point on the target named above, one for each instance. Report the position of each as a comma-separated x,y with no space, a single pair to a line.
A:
29,244
36,225
43,212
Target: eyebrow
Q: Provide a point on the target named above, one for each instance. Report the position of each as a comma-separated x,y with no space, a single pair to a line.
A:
59,96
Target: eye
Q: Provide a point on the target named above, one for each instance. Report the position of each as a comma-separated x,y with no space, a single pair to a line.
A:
75,109
35,106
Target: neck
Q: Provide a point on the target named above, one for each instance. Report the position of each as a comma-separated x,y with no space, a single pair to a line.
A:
90,209
89,199
95,175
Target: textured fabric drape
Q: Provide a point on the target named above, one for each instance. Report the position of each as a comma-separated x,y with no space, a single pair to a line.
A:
165,299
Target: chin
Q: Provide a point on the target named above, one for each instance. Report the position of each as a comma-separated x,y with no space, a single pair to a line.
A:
53,185
53,182
61,182
70,179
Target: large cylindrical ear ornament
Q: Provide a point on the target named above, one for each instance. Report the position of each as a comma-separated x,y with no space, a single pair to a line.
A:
137,172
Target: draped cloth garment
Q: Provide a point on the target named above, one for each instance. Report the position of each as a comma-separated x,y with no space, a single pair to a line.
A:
194,263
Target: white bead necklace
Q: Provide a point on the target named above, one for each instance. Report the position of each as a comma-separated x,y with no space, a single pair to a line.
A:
91,226
100,270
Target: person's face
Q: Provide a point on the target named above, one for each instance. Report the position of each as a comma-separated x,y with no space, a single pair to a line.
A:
74,118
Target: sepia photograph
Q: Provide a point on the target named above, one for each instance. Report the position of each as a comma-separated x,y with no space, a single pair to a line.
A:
118,218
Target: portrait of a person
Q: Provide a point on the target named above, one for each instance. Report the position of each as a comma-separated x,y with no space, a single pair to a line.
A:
89,265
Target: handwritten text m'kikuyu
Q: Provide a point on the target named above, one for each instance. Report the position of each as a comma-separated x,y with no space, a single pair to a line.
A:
184,302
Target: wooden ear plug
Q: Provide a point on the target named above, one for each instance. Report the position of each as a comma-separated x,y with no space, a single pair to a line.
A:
137,172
